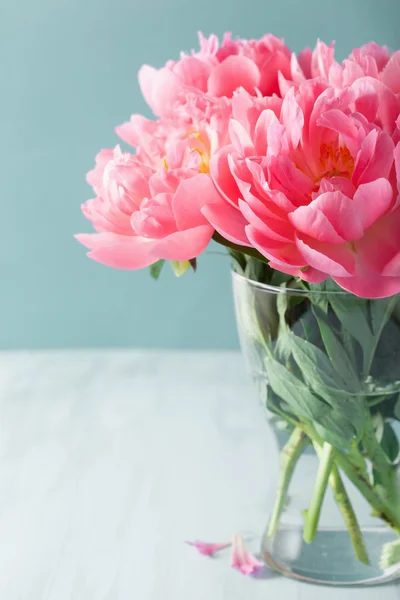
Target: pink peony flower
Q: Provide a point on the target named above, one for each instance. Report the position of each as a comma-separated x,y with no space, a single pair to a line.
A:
214,73
313,186
370,60
148,206
208,549
241,558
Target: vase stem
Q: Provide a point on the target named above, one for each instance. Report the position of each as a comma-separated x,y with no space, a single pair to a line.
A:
311,516
343,501
289,457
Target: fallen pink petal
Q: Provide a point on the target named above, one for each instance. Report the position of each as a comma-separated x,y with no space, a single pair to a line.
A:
208,549
242,560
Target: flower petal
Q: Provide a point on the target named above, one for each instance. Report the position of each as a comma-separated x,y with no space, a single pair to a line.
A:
190,197
232,73
222,175
183,245
119,251
375,158
208,549
241,559
292,118
228,221
372,200
335,260
285,253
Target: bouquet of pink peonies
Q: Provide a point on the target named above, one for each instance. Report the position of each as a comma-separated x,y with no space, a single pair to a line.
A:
293,164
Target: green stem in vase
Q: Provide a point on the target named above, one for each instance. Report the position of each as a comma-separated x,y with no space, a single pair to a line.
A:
311,516
390,515
289,457
343,501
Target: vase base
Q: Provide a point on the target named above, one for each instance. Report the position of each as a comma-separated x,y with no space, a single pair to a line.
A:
330,559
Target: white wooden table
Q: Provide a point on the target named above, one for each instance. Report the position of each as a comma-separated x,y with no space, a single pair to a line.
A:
109,460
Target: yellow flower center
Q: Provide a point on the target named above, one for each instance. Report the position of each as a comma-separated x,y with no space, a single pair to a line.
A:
204,160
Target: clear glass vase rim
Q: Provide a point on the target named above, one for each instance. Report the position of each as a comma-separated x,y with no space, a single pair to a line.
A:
283,290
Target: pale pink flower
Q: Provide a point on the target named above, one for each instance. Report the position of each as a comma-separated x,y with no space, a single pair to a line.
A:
207,548
313,186
242,559
148,206
216,72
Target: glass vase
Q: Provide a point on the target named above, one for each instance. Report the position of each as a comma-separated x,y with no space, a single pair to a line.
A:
326,365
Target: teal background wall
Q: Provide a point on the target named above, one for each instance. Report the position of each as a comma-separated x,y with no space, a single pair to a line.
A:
68,76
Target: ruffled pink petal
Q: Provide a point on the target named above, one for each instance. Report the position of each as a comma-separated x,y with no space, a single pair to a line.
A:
247,109
371,286
297,72
119,251
193,72
208,549
160,88
241,559
375,158
228,221
388,105
311,221
367,100
232,73
310,274
304,59
289,180
278,230
396,156
147,76
128,132
342,124
240,138
292,118
335,260
266,119
372,200
183,245
391,73
190,197
286,253
342,218
322,60
222,175
392,268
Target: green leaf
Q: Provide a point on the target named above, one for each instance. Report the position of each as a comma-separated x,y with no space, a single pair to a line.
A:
337,352
352,312
278,278
326,382
333,424
180,267
397,409
238,261
247,250
337,432
381,311
292,390
155,269
315,365
389,442
257,270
